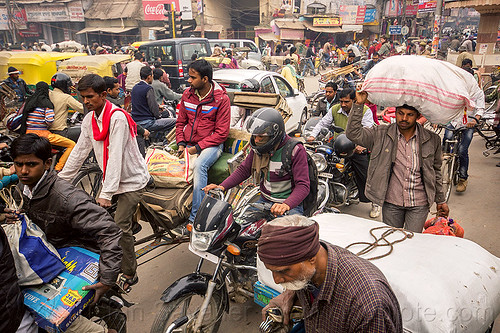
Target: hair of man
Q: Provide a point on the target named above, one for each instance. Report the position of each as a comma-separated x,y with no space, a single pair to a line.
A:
93,81
347,93
203,67
145,72
110,82
31,143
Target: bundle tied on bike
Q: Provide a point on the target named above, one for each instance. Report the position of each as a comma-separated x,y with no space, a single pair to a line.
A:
36,260
439,90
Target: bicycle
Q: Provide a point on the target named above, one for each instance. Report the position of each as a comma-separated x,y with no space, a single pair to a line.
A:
451,161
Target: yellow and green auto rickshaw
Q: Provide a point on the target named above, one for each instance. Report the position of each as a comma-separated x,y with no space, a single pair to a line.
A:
102,64
35,66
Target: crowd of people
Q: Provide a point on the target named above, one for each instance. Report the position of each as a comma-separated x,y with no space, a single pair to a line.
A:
397,169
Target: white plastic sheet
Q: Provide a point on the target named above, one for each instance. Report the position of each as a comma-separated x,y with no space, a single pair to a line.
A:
442,283
438,89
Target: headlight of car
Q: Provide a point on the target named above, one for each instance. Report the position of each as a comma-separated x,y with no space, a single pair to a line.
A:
201,240
320,161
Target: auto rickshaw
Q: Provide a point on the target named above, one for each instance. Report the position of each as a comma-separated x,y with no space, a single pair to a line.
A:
35,66
102,64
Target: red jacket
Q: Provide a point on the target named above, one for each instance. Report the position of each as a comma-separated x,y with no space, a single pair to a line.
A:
203,123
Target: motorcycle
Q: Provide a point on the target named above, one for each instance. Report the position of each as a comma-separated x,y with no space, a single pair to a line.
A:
197,302
333,164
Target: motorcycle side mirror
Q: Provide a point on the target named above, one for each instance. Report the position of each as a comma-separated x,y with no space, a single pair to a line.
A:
337,129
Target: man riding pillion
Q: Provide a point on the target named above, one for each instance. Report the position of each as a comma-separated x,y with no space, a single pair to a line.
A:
338,115
202,126
110,132
67,215
284,191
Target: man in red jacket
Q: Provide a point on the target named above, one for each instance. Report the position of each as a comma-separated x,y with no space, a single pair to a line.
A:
202,125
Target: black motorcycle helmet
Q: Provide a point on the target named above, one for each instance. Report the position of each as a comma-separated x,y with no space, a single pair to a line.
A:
343,147
266,122
250,85
61,81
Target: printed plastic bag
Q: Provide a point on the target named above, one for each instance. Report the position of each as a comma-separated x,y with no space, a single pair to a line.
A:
169,170
37,261
443,226
439,90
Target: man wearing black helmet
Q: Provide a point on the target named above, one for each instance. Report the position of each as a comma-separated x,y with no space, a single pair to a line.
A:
63,101
284,191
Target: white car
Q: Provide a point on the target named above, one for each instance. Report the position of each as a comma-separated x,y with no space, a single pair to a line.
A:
270,82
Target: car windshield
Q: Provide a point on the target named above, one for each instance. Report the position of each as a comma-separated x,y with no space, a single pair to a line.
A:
229,85
189,49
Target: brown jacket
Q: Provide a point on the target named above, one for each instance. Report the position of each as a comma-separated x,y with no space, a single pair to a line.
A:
381,141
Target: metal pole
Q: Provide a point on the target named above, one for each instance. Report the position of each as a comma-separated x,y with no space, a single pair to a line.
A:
437,27
10,22
202,20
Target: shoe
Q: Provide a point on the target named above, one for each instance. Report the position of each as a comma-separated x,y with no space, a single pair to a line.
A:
462,185
136,228
181,230
375,211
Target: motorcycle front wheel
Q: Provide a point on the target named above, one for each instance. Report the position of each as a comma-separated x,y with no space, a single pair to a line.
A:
188,305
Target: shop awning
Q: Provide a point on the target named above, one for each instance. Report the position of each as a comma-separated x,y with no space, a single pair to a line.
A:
268,37
117,9
327,30
106,30
296,25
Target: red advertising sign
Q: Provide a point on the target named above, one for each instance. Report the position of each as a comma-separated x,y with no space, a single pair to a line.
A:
360,17
427,5
411,10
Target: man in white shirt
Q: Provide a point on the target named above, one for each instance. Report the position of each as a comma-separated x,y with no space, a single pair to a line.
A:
338,115
134,71
110,132
351,47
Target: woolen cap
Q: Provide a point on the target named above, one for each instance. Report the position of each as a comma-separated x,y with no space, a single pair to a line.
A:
13,70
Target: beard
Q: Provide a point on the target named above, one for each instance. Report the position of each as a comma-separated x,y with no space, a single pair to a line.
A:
300,283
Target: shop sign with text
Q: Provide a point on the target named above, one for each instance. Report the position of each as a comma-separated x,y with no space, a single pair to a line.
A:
153,9
327,21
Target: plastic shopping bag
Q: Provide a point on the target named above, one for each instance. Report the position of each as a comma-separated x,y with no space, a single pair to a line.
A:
37,261
439,90
443,226
169,170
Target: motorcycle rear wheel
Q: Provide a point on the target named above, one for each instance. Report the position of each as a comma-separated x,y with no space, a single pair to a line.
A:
177,308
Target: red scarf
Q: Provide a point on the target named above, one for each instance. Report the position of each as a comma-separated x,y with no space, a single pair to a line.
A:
104,134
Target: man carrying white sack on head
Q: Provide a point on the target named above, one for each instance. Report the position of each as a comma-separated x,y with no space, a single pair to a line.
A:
404,173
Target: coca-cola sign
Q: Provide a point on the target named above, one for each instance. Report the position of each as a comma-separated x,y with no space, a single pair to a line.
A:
153,9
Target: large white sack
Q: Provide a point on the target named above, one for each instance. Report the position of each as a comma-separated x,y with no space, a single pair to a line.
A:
443,283
438,89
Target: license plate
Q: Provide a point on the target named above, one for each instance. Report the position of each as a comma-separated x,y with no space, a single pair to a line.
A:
205,255
325,175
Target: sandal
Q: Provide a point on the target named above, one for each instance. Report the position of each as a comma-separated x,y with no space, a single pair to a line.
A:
122,281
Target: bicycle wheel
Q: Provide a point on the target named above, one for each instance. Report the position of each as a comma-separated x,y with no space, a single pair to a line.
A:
447,174
89,179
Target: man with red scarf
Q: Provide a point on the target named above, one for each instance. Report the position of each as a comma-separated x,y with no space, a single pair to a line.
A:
110,132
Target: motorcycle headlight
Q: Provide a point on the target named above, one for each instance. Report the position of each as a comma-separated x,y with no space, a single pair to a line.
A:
320,161
201,240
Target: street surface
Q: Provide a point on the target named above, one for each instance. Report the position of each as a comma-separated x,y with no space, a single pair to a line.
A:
477,210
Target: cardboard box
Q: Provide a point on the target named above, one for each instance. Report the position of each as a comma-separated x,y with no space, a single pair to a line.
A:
57,304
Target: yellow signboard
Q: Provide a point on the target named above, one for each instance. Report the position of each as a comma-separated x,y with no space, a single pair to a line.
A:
327,22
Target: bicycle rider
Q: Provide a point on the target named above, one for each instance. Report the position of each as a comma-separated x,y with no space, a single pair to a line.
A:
473,118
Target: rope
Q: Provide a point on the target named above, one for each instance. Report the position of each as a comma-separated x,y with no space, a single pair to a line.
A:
376,243
7,196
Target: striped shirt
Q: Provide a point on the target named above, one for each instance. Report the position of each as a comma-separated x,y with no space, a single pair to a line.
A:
354,297
406,186
39,119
